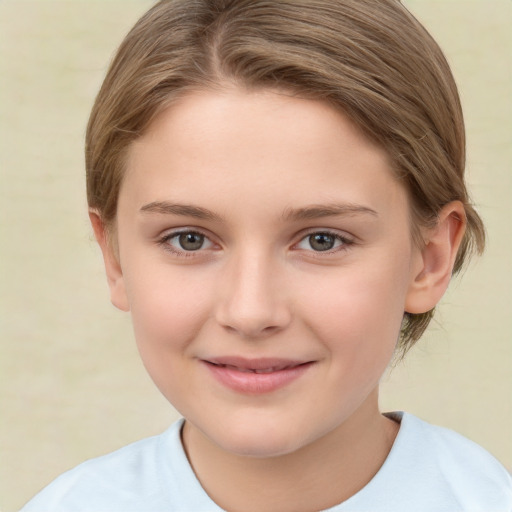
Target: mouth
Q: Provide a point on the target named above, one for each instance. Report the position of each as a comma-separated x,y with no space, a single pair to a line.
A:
256,376
260,365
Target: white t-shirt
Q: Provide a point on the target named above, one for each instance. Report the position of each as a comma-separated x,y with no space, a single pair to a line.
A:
429,469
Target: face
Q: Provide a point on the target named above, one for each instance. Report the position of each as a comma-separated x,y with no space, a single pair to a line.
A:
266,257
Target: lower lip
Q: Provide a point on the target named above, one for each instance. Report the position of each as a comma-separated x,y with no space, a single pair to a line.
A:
256,383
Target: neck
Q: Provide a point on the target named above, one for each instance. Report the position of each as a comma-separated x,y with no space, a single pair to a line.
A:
316,477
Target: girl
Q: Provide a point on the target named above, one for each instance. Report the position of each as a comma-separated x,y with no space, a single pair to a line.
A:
278,192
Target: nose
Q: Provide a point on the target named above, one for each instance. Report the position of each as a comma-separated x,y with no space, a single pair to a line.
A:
253,299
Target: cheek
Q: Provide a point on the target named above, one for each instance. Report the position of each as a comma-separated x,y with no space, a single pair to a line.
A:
359,310
167,310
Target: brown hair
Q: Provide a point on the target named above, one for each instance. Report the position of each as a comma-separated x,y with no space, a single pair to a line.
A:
370,58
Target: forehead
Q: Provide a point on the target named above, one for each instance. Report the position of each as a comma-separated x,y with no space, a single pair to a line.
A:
209,117
240,145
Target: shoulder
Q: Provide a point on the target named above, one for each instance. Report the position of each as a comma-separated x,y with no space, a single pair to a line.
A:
462,472
451,449
127,479
433,468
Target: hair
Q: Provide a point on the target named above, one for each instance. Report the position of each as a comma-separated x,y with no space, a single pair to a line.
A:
371,59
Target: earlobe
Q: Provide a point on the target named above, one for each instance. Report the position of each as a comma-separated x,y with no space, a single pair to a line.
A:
431,277
113,268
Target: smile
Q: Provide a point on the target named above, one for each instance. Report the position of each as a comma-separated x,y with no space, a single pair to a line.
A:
253,370
256,376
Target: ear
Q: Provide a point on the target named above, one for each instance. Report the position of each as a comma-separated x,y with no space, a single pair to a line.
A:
436,259
112,266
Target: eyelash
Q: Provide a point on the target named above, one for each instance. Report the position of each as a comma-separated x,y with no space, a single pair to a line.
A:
164,242
345,242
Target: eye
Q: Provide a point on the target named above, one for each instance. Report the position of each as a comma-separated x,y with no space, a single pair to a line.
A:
322,242
187,241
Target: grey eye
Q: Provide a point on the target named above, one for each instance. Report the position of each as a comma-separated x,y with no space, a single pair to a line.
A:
191,241
321,241
186,242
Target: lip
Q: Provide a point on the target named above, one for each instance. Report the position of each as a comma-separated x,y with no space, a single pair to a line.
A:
256,376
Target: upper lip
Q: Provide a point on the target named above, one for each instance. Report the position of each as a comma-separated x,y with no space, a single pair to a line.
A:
262,363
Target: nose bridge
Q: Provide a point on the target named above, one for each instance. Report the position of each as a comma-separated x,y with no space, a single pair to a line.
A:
253,303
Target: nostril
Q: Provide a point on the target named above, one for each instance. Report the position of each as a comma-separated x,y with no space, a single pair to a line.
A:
252,315
250,331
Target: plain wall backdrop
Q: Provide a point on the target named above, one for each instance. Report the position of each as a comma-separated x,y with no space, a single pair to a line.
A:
71,383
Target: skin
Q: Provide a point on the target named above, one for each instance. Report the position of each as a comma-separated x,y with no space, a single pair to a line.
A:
267,166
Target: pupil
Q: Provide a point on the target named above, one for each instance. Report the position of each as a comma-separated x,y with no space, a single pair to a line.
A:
191,241
321,242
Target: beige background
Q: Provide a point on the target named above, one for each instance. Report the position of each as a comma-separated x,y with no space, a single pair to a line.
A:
71,383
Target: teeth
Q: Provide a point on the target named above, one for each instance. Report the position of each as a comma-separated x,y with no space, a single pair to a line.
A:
243,370
250,370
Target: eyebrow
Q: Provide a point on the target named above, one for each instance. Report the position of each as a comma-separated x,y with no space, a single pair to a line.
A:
291,214
330,210
186,210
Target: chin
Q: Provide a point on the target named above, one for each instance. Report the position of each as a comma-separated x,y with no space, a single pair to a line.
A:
260,439
260,446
